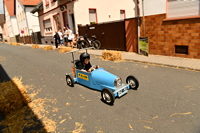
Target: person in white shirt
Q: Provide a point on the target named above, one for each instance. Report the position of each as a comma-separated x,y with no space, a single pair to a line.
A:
61,37
70,37
65,36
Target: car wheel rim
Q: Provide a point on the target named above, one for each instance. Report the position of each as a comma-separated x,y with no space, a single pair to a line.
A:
131,83
69,81
106,97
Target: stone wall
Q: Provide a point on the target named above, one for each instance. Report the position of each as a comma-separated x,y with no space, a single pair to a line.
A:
165,35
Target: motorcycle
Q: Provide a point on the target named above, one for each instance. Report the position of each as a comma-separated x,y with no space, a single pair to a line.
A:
85,42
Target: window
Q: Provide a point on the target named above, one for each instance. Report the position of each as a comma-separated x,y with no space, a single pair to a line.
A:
122,14
93,16
23,15
47,25
183,8
46,2
181,49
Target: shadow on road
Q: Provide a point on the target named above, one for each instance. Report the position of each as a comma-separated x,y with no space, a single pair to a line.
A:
16,118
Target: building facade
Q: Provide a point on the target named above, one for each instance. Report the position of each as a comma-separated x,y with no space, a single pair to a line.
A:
27,22
58,14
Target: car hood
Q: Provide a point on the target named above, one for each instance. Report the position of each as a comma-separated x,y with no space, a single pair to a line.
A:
102,77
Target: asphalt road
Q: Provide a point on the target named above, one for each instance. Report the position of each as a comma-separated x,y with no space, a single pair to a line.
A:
167,100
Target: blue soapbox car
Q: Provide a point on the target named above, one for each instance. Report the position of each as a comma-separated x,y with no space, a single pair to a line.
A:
110,85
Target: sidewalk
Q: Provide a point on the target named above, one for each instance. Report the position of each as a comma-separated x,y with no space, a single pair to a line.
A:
178,62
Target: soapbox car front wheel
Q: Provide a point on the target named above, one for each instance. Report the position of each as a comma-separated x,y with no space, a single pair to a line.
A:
69,81
107,96
133,82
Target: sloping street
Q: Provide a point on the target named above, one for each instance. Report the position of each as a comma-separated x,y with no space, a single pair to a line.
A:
167,100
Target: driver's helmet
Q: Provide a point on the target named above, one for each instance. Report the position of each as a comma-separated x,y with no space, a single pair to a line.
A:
83,56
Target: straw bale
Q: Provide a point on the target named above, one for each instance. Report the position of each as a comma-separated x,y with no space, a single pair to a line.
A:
13,95
65,49
111,55
30,116
16,44
35,46
48,48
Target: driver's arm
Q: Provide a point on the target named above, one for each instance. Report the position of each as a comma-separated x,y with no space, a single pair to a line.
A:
91,69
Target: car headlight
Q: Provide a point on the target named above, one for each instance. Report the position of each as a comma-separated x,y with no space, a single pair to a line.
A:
118,82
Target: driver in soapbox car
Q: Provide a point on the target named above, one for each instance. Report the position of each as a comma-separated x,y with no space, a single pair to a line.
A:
84,63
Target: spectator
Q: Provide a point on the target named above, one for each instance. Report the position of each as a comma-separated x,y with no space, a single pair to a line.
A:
65,36
70,37
61,37
57,39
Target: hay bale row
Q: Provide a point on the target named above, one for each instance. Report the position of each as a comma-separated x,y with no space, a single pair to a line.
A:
47,48
35,46
65,49
13,96
14,43
111,55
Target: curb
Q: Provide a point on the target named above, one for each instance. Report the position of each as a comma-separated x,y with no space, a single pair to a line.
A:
160,64
166,65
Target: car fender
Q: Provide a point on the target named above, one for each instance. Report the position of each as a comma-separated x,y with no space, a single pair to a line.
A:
103,78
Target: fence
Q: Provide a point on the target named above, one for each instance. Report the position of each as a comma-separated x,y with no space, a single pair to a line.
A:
35,38
116,35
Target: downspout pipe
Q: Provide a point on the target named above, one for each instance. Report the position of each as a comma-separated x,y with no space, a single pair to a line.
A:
138,19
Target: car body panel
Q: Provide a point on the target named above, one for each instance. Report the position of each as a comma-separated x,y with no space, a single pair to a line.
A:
100,79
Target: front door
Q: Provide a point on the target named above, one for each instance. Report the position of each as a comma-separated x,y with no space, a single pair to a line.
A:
65,19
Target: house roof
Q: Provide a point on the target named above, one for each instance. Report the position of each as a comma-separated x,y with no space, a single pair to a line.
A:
30,2
10,7
38,7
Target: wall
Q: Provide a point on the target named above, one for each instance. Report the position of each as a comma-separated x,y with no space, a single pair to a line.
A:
153,7
20,14
164,35
15,28
8,23
34,23
5,33
103,8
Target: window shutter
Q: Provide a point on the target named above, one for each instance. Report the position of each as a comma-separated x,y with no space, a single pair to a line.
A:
47,23
183,8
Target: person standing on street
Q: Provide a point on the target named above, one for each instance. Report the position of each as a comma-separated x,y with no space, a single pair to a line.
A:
65,35
70,38
57,39
61,37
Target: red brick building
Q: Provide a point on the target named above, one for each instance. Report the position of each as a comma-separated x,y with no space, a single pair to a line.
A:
174,33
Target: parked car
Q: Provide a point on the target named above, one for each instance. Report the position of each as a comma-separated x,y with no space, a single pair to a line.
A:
110,85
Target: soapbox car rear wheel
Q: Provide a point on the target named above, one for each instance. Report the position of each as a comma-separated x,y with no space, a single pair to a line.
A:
107,96
133,82
69,81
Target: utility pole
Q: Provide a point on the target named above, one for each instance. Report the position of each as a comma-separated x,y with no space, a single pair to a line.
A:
143,18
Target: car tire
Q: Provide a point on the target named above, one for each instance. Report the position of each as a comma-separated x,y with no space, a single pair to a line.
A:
84,44
107,96
134,84
69,81
97,44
